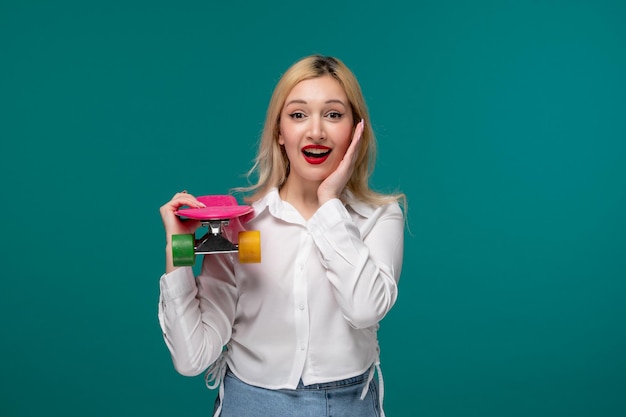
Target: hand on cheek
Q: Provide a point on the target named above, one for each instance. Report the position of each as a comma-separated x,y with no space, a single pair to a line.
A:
333,186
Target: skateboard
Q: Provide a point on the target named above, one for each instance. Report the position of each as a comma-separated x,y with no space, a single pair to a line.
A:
220,210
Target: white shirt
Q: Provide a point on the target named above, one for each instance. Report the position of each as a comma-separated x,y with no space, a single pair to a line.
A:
309,310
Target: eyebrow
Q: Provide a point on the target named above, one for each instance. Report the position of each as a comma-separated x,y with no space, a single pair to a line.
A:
299,101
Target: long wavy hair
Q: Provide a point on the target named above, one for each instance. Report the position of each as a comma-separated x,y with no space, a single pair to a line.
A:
271,166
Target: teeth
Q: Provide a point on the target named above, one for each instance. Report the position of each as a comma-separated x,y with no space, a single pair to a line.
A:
316,152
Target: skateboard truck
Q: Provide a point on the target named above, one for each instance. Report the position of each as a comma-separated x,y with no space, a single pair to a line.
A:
213,241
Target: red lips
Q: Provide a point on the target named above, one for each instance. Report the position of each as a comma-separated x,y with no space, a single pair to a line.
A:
316,154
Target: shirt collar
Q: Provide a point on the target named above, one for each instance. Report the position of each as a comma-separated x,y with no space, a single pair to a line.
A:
272,202
361,208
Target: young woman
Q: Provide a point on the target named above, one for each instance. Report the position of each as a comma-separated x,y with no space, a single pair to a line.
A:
295,335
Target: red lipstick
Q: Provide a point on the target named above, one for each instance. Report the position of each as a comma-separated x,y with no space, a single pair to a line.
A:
316,154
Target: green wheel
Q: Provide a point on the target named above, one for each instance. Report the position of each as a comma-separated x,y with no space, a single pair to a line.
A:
183,250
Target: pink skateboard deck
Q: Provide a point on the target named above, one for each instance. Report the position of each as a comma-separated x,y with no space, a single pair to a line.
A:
218,207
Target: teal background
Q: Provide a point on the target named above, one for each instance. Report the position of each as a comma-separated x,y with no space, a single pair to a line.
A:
503,122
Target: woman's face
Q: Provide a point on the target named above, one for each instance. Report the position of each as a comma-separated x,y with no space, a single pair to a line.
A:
316,128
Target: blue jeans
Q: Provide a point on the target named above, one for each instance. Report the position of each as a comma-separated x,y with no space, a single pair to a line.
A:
332,399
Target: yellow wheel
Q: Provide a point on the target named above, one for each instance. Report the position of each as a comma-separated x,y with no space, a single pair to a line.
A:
250,247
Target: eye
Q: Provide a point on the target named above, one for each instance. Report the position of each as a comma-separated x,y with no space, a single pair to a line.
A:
296,115
334,115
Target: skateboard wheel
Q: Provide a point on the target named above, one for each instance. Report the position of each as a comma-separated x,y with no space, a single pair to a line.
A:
183,250
250,246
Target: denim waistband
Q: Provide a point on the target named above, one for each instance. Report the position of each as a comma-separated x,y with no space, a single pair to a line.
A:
355,380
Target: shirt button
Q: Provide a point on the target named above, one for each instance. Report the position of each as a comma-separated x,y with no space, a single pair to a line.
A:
301,306
302,347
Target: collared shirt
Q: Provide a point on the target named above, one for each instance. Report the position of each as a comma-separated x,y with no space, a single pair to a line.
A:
309,310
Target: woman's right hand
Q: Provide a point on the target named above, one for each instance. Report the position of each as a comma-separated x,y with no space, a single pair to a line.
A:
174,225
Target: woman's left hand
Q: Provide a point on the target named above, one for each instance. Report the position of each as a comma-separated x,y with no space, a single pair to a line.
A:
333,186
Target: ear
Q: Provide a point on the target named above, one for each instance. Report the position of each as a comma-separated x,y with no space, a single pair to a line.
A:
281,141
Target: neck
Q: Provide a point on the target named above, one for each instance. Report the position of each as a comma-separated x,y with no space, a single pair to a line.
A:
302,196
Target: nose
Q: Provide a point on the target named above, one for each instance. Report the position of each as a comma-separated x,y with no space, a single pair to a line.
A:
316,131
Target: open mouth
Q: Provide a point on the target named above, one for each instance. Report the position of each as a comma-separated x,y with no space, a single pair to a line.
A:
316,154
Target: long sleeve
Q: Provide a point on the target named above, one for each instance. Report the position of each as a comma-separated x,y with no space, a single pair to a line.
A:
196,314
363,263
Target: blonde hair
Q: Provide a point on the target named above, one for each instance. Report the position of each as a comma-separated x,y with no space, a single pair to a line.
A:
271,164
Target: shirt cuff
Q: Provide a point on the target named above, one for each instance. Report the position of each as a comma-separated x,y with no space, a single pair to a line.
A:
177,283
327,216
335,234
